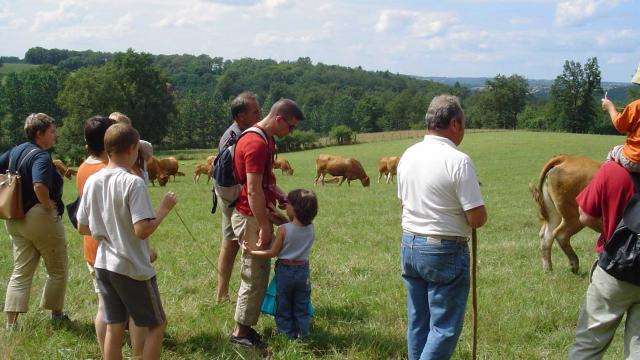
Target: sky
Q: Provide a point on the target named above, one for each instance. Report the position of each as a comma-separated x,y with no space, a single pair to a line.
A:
457,38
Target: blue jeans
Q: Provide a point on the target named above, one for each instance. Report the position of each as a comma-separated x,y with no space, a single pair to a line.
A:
293,294
436,275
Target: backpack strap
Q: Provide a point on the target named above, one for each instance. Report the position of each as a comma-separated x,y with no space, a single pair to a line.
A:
635,177
29,155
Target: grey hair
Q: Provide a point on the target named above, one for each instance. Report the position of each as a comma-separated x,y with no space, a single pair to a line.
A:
241,102
442,110
35,123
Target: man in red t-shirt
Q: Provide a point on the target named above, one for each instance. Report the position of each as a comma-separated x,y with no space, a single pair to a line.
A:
601,205
255,211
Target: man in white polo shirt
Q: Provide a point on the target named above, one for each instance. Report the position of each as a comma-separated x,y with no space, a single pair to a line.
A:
441,203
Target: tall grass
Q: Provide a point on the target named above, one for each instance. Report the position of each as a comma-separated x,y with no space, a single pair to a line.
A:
524,313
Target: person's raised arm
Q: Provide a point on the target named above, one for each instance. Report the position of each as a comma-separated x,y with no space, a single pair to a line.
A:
476,217
258,205
273,251
144,228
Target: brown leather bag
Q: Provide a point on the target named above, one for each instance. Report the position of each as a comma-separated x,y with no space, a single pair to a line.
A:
11,207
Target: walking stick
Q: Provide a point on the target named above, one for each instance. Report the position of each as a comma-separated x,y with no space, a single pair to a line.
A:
474,295
196,241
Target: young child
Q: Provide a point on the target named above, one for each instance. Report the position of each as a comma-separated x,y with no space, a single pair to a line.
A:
628,121
292,245
115,210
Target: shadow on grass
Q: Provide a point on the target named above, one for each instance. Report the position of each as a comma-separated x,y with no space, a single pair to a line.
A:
83,330
350,334
211,346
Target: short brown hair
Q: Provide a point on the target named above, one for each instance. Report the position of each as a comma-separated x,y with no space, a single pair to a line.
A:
120,118
305,205
35,123
119,137
286,108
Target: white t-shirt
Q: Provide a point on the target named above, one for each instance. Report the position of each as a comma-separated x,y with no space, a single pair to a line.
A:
112,201
437,183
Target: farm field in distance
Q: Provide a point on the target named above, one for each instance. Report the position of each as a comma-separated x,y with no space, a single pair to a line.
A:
358,293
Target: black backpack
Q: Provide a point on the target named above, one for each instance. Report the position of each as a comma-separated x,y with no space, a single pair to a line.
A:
620,257
223,174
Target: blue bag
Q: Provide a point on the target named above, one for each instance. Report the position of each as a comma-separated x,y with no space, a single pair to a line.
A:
269,302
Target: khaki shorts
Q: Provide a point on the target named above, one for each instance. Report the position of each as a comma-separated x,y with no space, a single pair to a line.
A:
227,196
92,272
254,272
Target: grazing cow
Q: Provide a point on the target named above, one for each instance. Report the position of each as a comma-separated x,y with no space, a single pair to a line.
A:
170,167
348,168
388,166
201,169
156,172
283,164
561,180
64,169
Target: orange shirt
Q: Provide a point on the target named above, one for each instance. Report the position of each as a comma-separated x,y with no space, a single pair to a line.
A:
628,121
86,169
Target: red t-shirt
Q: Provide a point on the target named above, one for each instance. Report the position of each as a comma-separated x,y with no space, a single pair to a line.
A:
605,197
254,155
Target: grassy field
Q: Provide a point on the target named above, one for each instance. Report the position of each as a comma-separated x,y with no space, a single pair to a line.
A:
11,68
359,297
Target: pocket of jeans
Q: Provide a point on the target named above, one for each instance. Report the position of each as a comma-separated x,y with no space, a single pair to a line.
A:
437,266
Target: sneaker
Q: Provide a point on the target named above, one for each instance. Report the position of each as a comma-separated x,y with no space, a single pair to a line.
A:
255,335
246,341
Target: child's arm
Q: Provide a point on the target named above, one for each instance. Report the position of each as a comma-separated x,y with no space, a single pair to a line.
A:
144,228
273,251
608,106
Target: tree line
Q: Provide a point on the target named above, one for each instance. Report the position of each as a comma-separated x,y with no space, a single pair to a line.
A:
181,101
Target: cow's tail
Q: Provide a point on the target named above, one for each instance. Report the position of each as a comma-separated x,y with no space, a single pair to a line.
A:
536,190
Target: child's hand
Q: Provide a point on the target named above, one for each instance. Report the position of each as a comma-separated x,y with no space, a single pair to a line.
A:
606,103
169,200
245,247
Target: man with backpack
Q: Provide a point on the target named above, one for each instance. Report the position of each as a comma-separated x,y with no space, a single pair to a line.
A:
254,210
245,112
602,205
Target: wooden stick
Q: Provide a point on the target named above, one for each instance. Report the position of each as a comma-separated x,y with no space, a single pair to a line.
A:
474,295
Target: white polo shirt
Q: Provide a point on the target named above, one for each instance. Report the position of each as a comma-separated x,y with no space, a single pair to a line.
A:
437,183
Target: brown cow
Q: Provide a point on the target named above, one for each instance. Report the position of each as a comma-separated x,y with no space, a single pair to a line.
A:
561,180
388,167
170,167
283,164
201,169
64,169
156,172
210,159
348,168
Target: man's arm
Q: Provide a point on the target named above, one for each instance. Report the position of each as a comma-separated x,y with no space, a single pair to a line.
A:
258,205
476,217
590,221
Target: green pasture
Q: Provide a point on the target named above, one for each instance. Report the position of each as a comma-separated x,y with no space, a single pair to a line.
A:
358,294
11,68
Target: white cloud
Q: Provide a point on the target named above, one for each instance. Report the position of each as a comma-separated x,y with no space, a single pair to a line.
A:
67,11
572,12
9,20
520,20
193,12
414,23
615,60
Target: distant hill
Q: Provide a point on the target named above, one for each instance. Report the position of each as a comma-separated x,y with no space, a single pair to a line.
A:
617,91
